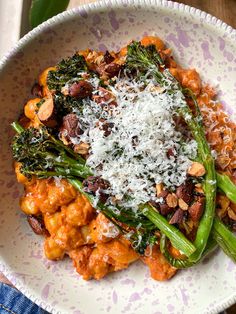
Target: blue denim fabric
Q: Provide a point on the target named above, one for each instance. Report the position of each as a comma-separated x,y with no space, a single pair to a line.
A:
14,302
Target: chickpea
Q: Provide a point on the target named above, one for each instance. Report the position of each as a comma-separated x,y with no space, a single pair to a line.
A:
29,206
85,232
53,222
69,238
58,195
52,250
79,212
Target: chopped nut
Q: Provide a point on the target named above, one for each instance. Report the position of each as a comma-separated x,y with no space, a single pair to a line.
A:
172,200
81,89
108,58
198,188
46,110
185,191
81,148
165,209
222,201
177,217
157,89
182,204
91,57
159,188
196,209
65,90
231,214
37,224
112,69
196,169
70,128
99,59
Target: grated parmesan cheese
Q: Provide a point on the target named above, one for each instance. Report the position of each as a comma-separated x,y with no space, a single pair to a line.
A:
134,157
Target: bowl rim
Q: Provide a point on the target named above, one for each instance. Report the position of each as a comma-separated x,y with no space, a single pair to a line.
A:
209,19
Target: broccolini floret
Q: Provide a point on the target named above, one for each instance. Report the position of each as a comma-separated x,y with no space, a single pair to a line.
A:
66,70
42,155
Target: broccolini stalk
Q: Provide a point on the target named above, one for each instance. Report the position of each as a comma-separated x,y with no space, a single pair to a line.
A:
225,238
185,263
154,221
140,238
222,235
227,186
139,57
204,154
41,154
176,237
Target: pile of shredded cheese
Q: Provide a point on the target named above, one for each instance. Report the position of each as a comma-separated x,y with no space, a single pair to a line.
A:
144,148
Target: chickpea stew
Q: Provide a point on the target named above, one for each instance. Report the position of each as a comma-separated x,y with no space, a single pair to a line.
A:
127,156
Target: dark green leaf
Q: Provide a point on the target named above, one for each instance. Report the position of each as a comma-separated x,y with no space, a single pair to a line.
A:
42,10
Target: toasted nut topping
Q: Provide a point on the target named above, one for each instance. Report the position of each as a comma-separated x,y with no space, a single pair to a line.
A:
37,224
65,90
182,204
172,200
159,188
198,188
223,201
165,209
185,191
231,214
99,59
81,148
196,169
177,217
196,209
81,89
46,110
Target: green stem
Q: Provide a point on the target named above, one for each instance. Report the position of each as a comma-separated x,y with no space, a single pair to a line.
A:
225,238
184,263
176,237
68,150
204,153
73,172
17,127
227,186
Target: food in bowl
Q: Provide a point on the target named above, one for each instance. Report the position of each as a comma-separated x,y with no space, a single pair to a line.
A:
127,156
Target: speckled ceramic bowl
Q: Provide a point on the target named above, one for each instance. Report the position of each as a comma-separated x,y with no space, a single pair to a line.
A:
198,40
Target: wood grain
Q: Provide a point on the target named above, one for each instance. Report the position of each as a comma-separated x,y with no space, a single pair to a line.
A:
222,9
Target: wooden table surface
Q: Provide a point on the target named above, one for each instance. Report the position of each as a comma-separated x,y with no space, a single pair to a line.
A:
222,9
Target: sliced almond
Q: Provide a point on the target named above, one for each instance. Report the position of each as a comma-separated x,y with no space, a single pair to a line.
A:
81,148
99,59
46,110
159,188
231,214
182,204
198,188
172,200
223,201
65,90
196,169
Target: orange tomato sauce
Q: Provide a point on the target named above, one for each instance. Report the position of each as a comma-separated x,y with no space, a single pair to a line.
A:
74,227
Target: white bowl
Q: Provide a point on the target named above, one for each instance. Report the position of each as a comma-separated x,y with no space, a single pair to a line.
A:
198,40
